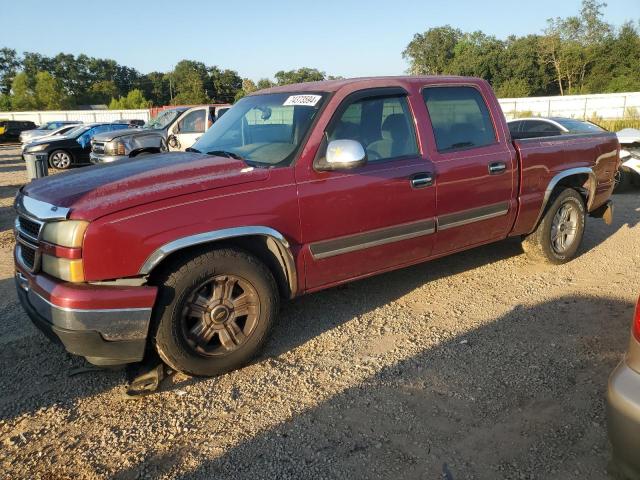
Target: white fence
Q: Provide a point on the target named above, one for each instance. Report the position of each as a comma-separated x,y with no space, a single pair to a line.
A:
605,106
85,116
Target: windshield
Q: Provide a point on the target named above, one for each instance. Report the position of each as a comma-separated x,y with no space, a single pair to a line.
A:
577,126
162,120
262,129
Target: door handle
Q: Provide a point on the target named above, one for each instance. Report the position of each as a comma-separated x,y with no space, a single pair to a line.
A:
496,168
420,180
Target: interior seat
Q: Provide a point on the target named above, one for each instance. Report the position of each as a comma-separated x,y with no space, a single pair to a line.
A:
395,136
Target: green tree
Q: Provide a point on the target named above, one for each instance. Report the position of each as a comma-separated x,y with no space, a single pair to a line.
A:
225,85
49,92
9,64
5,102
23,97
156,88
101,91
477,55
300,75
189,80
133,101
264,83
431,52
513,88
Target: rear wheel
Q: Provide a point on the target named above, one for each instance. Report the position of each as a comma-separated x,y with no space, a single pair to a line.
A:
561,229
214,312
60,159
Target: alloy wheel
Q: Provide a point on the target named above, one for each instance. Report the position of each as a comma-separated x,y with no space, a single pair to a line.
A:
564,227
220,315
60,160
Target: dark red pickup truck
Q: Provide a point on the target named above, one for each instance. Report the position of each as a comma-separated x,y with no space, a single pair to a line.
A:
295,189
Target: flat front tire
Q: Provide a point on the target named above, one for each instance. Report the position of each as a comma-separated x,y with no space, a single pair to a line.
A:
214,312
560,232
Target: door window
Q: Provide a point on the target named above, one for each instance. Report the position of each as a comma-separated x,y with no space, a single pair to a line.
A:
460,118
383,125
193,122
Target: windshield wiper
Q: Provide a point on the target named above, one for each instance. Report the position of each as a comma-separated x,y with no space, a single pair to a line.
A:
194,150
226,153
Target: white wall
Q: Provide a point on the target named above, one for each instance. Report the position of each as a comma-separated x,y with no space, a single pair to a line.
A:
85,116
605,106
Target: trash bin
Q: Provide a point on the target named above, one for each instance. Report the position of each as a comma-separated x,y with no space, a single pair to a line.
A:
36,166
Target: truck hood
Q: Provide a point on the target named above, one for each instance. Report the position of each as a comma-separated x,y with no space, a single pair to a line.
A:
95,191
129,132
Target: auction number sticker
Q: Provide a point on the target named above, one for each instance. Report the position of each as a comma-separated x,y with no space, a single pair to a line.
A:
304,100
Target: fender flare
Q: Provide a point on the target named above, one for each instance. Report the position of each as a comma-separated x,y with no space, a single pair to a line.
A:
281,244
592,183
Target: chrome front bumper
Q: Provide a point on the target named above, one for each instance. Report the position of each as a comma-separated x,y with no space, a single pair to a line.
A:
97,158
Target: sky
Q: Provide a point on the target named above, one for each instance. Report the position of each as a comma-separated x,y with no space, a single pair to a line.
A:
258,38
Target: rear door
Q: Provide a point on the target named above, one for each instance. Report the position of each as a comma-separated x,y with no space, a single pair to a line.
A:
377,216
476,168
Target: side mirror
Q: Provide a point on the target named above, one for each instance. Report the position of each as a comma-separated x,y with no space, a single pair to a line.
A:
343,155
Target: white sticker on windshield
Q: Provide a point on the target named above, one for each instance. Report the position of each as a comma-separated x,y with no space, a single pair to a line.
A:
304,100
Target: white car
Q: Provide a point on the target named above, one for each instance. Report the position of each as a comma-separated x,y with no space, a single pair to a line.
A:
45,129
64,130
629,172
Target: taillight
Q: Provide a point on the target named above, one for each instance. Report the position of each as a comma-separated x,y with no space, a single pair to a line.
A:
636,321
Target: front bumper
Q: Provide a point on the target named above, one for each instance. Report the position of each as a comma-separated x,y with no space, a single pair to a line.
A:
106,325
623,418
97,158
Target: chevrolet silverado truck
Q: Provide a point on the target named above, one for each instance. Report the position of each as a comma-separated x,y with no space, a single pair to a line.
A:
295,189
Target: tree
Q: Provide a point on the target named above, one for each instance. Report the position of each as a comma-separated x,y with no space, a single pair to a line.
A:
156,88
513,88
570,45
49,92
101,91
300,75
264,83
5,102
9,64
23,97
133,101
477,55
189,79
431,52
225,85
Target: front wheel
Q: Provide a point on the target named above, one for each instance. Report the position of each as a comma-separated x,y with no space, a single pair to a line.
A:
561,229
60,159
214,312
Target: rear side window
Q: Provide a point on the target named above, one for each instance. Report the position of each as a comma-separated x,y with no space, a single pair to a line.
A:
459,117
536,126
383,125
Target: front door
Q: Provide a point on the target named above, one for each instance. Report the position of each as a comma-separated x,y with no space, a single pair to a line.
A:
188,129
476,169
377,216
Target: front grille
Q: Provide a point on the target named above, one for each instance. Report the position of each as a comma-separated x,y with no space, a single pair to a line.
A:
28,226
28,237
28,256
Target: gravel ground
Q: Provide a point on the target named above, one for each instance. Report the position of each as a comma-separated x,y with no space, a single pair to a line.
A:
480,365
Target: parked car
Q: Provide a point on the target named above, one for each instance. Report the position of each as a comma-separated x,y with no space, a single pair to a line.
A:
71,149
629,172
623,405
111,146
295,189
10,130
132,123
62,131
547,127
28,136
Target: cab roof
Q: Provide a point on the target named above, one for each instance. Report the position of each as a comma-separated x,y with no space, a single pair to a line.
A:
367,82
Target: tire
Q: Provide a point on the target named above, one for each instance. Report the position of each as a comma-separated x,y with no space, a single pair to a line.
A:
563,219
197,327
60,159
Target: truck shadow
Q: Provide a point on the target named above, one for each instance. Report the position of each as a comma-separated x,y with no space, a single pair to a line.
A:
475,407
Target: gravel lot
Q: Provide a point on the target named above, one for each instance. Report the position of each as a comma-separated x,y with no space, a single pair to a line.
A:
481,365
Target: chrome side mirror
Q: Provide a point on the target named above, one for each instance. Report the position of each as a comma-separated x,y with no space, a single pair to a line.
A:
343,155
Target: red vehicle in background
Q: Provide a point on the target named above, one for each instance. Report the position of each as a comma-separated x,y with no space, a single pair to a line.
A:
295,189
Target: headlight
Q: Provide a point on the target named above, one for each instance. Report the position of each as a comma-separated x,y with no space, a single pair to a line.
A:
68,233
36,148
63,268
115,148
